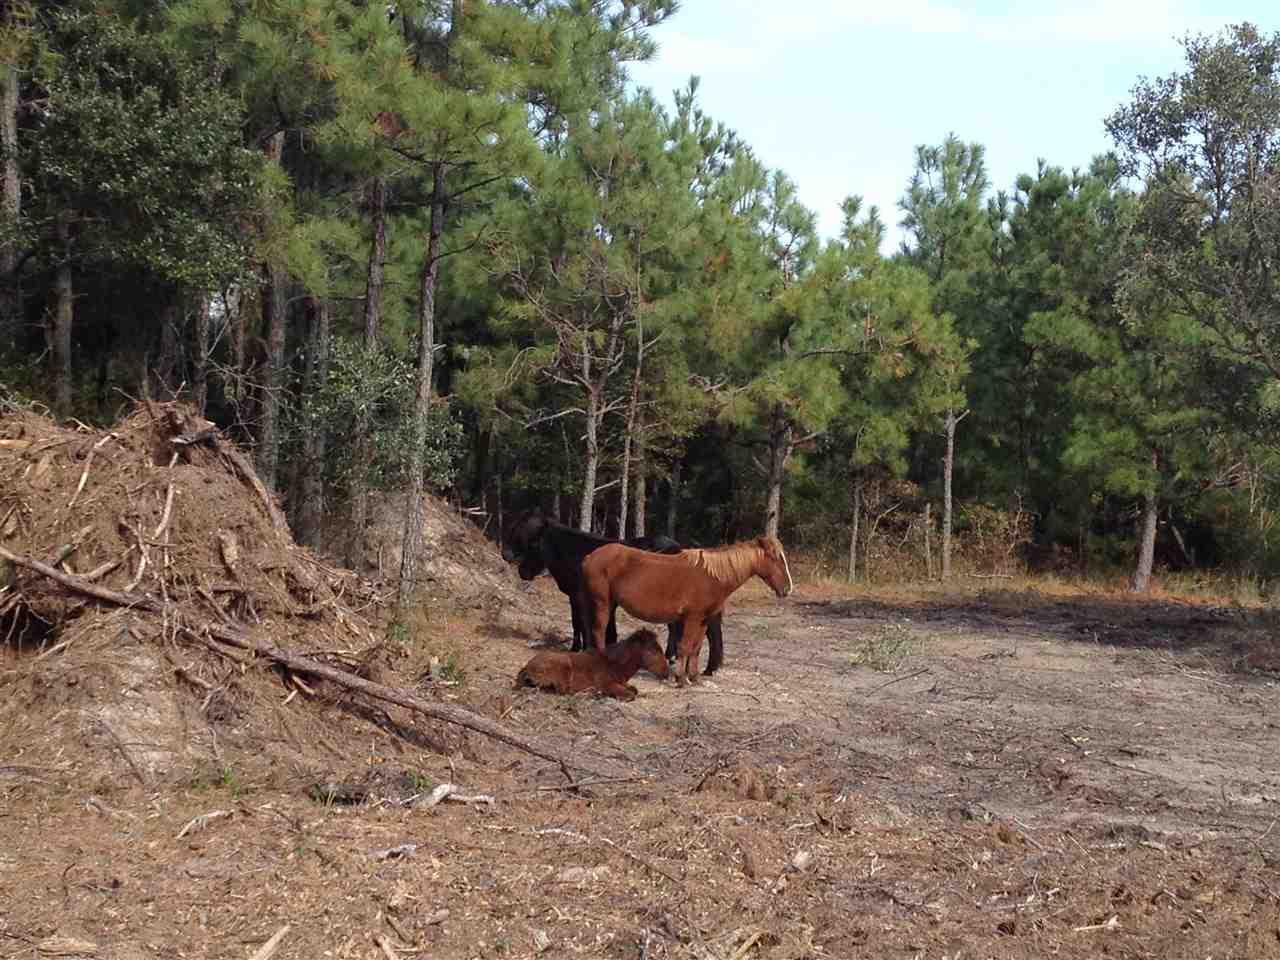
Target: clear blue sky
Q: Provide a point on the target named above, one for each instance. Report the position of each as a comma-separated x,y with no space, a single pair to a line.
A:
839,92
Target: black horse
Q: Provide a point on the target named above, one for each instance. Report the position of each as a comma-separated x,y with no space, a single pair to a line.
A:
537,543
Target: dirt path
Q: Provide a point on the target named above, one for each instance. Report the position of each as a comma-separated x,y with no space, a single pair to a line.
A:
1036,777
1012,708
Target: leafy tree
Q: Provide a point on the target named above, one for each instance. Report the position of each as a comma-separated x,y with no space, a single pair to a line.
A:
1207,143
136,166
589,255
942,212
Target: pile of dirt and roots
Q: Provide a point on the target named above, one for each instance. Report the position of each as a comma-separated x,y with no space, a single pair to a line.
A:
458,564
144,572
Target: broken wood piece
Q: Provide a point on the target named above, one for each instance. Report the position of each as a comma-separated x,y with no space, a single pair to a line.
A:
300,685
401,850
1112,924
59,946
201,436
142,554
88,462
471,798
384,945
230,551
403,934
71,546
440,916
184,674
574,835
202,821
168,512
436,795
102,570
747,945
449,791
269,948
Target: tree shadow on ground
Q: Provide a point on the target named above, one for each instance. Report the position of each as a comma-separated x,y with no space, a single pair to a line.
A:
1139,623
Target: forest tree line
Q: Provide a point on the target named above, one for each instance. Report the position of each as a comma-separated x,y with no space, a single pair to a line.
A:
445,244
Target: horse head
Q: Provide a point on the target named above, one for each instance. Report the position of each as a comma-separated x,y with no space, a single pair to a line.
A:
772,567
643,646
522,535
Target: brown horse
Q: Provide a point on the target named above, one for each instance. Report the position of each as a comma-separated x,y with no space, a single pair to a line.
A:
689,587
607,672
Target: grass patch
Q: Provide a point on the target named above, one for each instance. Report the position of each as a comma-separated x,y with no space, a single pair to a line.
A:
886,648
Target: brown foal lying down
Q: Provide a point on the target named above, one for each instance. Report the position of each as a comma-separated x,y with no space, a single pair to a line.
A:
607,672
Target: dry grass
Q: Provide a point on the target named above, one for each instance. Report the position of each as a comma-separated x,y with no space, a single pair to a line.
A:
885,648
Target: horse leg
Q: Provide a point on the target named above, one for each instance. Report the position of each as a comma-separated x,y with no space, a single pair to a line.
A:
578,611
716,658
674,632
611,634
686,665
596,610
695,652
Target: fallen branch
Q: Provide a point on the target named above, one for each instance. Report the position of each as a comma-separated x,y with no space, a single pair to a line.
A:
235,638
579,784
124,752
202,821
168,510
448,791
97,573
267,949
572,834
142,555
890,683
88,462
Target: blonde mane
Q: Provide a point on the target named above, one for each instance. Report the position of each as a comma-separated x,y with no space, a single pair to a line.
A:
732,564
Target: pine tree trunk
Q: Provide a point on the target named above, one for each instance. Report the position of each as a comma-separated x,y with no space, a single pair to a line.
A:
274,306
168,362
780,440
10,207
927,523
237,334
639,491
411,545
673,498
377,200
373,295
586,504
1146,538
274,310
311,485
63,312
948,462
628,441
624,485
853,529
200,368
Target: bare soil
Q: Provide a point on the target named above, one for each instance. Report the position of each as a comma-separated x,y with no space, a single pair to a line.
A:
1038,777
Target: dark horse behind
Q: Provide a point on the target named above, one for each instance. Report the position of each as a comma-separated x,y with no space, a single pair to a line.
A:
539,544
